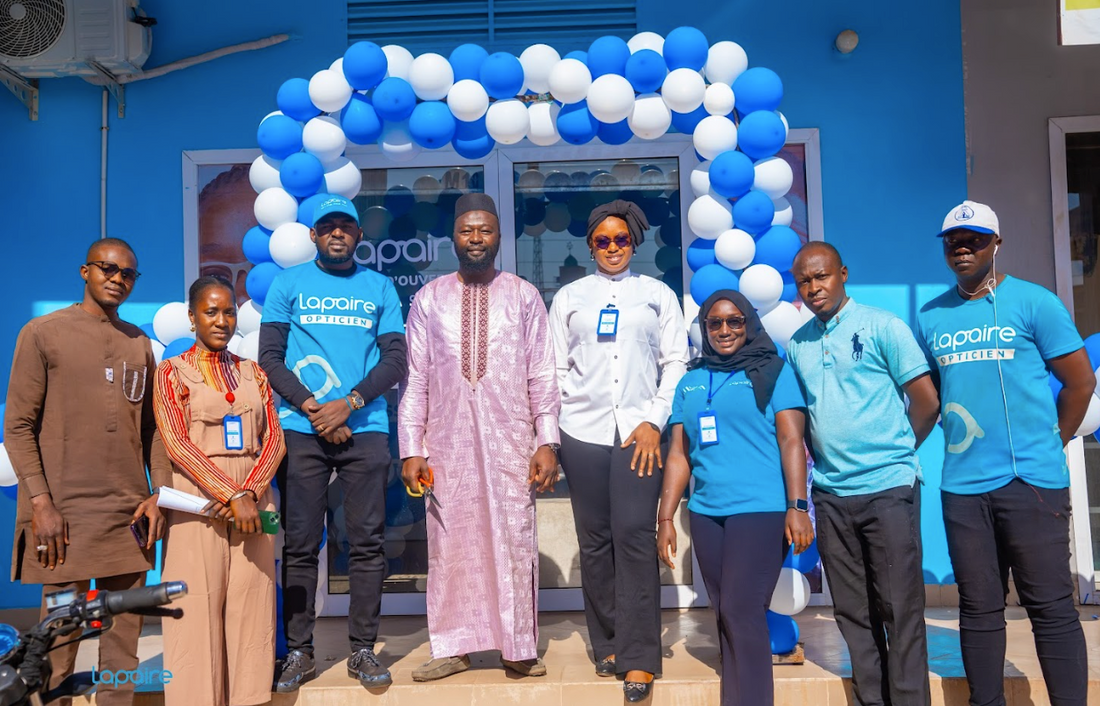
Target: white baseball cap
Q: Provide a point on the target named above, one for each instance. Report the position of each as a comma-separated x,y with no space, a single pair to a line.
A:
971,215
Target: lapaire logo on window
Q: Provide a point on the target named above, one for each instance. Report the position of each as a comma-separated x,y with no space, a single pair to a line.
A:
137,677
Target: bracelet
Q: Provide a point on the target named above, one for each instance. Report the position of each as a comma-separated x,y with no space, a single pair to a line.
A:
667,519
349,404
242,493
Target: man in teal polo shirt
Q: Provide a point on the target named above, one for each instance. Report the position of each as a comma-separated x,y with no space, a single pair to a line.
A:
856,364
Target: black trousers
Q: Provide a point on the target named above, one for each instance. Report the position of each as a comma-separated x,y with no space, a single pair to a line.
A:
1025,529
362,467
871,549
615,513
740,557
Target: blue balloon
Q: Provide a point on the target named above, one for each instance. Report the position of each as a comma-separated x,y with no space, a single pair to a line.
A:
615,133
805,562
753,212
360,120
305,210
646,70
365,65
687,122
608,55
708,279
502,75
257,242
777,247
761,134
279,136
756,89
180,345
576,125
399,200
732,174
394,99
147,328
578,229
466,61
259,280
687,48
700,254
471,140
293,100
558,187
10,491
783,632
790,289
432,125
301,174
581,56
1092,347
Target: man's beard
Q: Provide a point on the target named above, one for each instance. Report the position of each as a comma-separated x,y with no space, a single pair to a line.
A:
338,260
469,264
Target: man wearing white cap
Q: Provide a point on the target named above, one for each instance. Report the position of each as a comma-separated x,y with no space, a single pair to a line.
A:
991,340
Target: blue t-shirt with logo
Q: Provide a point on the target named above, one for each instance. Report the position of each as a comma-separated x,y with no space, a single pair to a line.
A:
335,321
993,433
852,370
742,472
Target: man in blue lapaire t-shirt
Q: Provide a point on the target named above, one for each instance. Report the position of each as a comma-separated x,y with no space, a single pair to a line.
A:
992,341
332,342
856,364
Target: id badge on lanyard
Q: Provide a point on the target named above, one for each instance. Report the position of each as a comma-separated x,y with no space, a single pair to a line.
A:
708,428
609,322
234,433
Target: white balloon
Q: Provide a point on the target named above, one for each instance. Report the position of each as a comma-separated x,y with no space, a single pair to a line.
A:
700,179
531,180
398,61
725,62
324,138
646,40
709,217
786,125
290,245
507,122
714,135
329,90
544,125
467,100
264,173
792,592
274,207
784,214
234,345
171,323
683,90
250,346
804,313
781,321
343,177
427,189
158,351
696,335
735,249
1091,423
611,98
569,81
337,66
773,176
397,142
274,112
538,60
7,471
719,99
650,118
762,285
431,77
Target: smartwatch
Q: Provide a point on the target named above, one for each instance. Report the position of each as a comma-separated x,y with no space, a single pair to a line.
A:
800,505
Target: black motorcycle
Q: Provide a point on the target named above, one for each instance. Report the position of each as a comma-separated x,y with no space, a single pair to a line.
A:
24,666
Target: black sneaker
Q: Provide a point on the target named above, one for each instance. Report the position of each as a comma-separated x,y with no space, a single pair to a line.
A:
294,670
364,666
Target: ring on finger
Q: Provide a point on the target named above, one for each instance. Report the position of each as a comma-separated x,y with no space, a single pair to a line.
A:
42,547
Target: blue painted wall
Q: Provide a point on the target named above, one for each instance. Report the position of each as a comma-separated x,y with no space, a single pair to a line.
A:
890,115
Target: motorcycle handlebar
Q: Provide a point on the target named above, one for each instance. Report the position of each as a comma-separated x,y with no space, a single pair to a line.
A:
141,598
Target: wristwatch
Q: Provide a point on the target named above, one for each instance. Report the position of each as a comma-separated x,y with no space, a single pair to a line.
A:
355,401
800,505
556,448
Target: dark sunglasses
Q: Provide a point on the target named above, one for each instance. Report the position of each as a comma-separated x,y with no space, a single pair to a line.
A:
110,269
735,323
621,241
967,239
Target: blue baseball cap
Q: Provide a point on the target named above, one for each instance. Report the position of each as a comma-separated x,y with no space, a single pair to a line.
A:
335,204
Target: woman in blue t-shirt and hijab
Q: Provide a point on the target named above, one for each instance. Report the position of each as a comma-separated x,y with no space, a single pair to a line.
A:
737,426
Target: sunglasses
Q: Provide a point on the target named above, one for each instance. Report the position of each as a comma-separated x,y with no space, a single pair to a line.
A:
735,323
621,241
110,269
967,239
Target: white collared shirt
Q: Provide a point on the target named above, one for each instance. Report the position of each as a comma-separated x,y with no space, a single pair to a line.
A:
611,383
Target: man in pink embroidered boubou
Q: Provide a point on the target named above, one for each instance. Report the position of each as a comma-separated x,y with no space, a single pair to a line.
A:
478,423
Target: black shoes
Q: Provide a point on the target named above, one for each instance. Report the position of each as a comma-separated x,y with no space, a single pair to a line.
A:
637,691
605,667
294,670
364,666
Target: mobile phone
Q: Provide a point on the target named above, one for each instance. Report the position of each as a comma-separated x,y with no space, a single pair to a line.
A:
140,529
269,520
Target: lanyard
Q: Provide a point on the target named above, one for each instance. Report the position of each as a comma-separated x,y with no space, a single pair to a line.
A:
710,387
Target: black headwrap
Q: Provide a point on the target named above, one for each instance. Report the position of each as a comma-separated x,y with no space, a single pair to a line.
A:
758,357
475,202
629,211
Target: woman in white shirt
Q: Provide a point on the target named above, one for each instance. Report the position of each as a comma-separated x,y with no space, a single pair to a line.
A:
621,348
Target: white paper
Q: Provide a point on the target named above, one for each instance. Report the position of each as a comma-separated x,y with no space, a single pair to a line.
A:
172,499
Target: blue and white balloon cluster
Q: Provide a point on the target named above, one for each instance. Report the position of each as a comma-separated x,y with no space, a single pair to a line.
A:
790,597
1091,423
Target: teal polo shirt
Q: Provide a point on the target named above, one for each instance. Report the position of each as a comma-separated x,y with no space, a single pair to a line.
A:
852,370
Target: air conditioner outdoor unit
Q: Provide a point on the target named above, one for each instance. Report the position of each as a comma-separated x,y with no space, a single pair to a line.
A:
49,38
